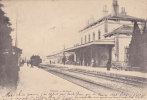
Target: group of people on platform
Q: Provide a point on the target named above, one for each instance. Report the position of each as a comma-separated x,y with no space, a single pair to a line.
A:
65,61
27,62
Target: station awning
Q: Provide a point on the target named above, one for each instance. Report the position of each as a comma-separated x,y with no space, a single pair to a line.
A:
98,42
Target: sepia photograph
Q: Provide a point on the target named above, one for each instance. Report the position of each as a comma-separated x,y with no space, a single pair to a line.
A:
73,49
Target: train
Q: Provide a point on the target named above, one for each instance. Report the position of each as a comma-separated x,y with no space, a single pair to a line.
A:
35,60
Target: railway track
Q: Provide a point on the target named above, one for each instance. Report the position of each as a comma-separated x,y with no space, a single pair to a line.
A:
84,79
136,83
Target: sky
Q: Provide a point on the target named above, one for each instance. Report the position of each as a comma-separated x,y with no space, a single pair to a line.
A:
44,27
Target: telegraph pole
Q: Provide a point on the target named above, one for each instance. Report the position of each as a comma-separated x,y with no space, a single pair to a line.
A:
16,44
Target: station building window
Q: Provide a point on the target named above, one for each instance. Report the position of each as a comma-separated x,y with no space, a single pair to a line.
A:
93,36
126,54
89,37
99,34
81,40
85,38
106,26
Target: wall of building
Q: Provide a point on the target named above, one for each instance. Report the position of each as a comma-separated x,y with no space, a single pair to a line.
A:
98,30
123,45
118,53
124,42
112,25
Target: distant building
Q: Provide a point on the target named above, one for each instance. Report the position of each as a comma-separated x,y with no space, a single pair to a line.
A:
57,58
17,53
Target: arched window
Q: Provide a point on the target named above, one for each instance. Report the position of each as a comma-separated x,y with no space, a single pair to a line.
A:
93,36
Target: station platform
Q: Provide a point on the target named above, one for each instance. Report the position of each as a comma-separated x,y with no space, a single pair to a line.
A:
131,75
37,84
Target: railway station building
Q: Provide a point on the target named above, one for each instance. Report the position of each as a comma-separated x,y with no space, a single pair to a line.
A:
103,41
106,40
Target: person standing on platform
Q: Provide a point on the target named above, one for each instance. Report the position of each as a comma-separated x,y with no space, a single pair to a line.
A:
50,62
108,65
27,63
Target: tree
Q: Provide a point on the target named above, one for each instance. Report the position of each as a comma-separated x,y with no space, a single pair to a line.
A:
144,48
134,47
8,61
5,30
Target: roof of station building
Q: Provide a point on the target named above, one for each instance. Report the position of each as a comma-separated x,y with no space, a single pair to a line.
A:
124,29
115,18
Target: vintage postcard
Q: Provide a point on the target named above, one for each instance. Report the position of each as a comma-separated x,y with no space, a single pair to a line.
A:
73,49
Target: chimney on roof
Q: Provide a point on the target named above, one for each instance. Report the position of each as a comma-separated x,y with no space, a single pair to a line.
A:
123,12
91,20
115,8
105,11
